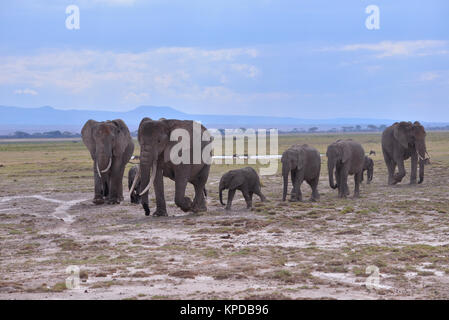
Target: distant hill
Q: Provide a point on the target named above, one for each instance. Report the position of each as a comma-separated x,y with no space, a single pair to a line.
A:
47,118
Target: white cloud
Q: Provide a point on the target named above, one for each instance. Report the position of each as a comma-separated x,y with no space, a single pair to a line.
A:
429,76
133,97
169,73
245,69
26,92
398,48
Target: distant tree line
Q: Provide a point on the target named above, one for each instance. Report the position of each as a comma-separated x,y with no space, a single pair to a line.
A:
356,128
49,134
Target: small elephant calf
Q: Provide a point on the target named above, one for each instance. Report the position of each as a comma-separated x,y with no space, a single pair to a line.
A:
245,180
368,166
134,184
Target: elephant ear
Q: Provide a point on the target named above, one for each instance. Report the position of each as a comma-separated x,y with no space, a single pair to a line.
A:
399,133
88,138
139,131
122,136
345,151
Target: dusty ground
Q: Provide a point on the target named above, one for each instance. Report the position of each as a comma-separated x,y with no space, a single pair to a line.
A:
278,250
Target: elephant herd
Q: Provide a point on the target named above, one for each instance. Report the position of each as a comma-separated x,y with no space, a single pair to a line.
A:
111,148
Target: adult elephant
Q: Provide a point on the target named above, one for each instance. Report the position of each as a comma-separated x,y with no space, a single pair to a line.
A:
401,141
346,157
304,163
110,146
161,156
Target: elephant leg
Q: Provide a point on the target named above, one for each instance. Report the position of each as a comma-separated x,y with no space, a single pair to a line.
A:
120,185
181,200
314,186
98,186
357,184
299,180
158,185
260,194
293,192
199,202
401,172
361,177
231,194
247,197
344,182
414,169
338,180
116,180
391,166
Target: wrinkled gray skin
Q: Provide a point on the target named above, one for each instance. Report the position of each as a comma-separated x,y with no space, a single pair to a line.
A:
345,157
401,141
304,164
155,144
246,180
110,146
368,166
134,174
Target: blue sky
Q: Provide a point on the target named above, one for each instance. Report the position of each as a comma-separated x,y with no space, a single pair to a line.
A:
305,59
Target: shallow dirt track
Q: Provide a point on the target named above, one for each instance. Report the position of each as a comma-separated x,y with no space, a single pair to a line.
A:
278,250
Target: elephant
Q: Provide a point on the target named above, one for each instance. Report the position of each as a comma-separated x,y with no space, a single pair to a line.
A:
246,180
134,184
400,141
160,157
111,147
368,166
304,163
346,157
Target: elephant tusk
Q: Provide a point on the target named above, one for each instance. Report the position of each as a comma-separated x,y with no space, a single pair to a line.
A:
136,178
153,175
419,156
98,170
109,166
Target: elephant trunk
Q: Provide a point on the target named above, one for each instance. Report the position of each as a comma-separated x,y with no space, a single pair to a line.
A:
330,168
220,189
285,170
103,159
148,168
421,170
423,158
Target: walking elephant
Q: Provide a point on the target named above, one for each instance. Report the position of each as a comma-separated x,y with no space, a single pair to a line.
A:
401,141
245,180
185,160
110,146
368,166
346,157
304,163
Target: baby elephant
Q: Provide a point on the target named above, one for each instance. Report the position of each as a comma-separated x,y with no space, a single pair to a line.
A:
368,166
134,184
303,162
245,180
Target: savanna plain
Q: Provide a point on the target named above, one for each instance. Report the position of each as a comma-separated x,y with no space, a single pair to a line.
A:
277,250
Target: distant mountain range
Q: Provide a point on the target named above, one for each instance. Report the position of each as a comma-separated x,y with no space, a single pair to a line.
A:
47,118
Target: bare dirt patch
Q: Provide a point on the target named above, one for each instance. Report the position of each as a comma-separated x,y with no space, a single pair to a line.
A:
278,250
